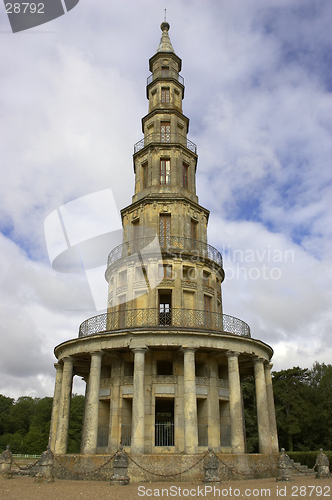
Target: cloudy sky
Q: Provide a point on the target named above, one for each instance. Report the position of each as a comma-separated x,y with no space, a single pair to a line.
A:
258,94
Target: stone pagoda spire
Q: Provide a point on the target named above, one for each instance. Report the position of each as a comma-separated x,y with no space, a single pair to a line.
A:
165,42
164,365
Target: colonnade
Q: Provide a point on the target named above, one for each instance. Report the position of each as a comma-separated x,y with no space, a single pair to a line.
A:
267,429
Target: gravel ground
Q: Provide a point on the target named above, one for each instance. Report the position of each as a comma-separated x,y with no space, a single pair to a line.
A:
24,488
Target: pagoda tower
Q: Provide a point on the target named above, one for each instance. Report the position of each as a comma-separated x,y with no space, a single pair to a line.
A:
163,367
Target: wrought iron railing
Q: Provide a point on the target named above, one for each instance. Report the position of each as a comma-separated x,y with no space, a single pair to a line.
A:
126,434
165,138
148,318
202,435
102,439
165,74
225,435
164,434
172,244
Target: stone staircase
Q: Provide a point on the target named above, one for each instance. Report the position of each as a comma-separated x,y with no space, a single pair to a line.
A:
301,470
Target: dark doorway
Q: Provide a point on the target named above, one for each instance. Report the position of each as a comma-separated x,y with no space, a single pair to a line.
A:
165,308
164,422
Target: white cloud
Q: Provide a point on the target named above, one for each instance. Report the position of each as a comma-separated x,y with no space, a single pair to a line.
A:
258,85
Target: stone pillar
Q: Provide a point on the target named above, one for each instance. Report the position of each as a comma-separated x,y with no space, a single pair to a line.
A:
137,429
235,403
6,459
190,403
262,408
115,408
271,408
92,405
65,398
45,474
120,468
56,405
213,407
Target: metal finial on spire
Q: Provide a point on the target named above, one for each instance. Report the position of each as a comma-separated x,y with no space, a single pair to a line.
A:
165,16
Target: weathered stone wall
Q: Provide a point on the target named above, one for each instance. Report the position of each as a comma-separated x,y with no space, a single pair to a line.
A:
239,467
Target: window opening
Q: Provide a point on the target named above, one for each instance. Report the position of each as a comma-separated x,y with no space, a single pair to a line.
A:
165,95
165,308
165,271
145,175
165,132
164,367
164,422
165,71
164,230
185,175
165,172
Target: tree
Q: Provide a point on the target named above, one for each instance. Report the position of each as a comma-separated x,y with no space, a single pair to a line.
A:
294,410
75,423
321,399
5,410
250,414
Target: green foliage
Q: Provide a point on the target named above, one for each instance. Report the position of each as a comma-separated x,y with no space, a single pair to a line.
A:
250,414
75,423
25,424
293,405
5,407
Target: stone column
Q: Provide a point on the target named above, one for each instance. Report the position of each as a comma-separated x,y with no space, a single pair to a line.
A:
213,407
115,408
92,405
137,429
271,408
262,408
56,405
190,403
65,399
235,403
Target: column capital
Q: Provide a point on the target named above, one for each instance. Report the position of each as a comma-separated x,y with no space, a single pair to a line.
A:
269,365
232,354
258,360
188,349
58,365
142,349
97,353
67,359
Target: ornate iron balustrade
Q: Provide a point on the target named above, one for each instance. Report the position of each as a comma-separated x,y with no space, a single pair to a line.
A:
170,244
102,436
225,435
164,433
152,318
165,75
126,434
165,138
202,434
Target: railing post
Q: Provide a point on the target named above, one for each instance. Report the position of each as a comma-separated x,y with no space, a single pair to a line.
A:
6,459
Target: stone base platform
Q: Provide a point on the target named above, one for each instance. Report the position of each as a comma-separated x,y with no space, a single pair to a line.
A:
157,468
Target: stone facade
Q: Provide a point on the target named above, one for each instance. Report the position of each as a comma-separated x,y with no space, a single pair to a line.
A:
163,366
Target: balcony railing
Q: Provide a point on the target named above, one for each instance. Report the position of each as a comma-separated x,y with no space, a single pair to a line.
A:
102,439
225,435
126,434
152,318
164,434
202,434
165,138
165,75
171,244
